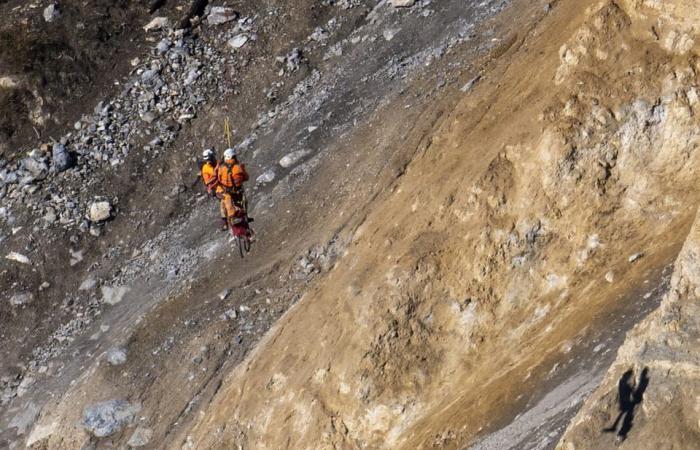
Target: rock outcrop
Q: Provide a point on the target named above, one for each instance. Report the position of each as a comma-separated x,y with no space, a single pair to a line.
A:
648,399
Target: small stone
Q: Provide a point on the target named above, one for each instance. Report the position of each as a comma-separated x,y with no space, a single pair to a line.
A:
20,258
635,257
470,84
609,277
220,14
192,76
267,177
100,211
116,356
402,3
163,46
224,294
157,24
51,13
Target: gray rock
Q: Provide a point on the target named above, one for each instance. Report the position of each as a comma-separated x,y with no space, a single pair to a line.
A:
62,159
163,46
116,356
292,158
100,211
51,13
36,168
320,35
192,76
22,299
267,177
107,418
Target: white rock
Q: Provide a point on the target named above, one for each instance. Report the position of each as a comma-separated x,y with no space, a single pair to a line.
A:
100,211
293,158
238,41
635,257
221,14
8,83
51,13
223,294
20,258
402,3
157,24
113,294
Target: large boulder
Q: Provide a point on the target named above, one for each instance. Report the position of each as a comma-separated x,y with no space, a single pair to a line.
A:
110,417
62,159
100,211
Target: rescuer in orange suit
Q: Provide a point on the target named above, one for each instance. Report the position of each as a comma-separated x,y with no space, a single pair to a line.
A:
231,175
209,172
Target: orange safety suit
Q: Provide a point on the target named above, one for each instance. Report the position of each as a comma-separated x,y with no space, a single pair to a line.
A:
209,172
231,176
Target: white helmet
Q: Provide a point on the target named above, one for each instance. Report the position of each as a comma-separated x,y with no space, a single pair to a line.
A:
230,153
208,154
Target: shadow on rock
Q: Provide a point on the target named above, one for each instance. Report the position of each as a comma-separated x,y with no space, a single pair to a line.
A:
629,397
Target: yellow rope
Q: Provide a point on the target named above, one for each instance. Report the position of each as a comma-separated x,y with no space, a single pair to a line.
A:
227,131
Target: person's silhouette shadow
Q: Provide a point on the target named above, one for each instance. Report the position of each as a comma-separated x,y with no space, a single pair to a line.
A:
629,397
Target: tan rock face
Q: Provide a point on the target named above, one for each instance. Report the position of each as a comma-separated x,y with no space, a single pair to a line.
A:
648,398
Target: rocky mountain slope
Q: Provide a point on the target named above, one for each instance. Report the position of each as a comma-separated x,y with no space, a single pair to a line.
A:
462,207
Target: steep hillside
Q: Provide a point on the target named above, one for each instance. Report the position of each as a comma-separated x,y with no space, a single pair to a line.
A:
461,208
542,204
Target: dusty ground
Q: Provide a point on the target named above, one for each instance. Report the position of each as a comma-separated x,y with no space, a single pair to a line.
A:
450,258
